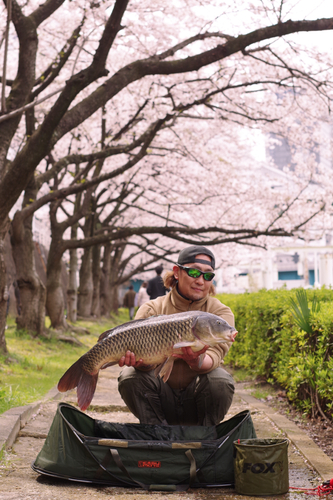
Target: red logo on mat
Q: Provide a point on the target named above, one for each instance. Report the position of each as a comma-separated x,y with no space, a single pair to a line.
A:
151,464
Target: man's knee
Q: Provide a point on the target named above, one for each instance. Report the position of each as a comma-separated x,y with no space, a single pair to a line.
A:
221,383
132,381
214,396
127,373
141,393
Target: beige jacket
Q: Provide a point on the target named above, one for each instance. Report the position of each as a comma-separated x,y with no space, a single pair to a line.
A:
173,303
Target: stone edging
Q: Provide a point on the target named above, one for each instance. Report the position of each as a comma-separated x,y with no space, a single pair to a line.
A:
13,420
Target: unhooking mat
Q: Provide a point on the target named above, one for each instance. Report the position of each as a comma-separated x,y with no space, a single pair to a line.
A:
155,457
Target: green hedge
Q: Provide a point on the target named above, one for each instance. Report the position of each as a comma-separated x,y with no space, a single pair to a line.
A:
271,345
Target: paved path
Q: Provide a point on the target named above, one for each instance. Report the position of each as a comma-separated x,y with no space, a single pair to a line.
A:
308,465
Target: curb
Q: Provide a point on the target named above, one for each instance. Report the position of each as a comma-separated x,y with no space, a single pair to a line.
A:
13,420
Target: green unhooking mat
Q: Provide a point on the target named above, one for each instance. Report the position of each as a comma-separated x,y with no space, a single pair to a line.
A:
155,457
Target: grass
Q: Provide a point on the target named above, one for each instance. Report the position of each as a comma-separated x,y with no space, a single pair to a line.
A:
34,365
258,390
262,393
239,374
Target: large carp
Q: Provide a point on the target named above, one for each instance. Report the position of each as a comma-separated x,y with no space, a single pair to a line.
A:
155,340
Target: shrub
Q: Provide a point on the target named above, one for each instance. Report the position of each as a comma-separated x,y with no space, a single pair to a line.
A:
271,344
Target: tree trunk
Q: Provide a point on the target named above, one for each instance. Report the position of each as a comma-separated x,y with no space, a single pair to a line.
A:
96,276
31,290
114,301
105,281
55,302
86,285
72,282
85,292
73,266
114,279
3,289
72,287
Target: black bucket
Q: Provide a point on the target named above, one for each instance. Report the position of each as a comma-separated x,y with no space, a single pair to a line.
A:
261,466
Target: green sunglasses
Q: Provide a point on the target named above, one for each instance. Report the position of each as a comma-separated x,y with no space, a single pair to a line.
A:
195,273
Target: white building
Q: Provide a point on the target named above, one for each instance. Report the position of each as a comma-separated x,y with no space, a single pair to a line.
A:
290,267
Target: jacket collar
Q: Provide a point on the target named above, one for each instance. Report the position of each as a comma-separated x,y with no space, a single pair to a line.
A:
180,302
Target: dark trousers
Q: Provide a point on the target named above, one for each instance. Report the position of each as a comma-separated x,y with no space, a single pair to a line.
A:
205,401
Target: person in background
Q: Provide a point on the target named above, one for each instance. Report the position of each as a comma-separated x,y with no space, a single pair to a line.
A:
155,287
142,296
129,300
195,393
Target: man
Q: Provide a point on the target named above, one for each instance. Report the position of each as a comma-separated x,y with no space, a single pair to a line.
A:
156,286
193,395
129,300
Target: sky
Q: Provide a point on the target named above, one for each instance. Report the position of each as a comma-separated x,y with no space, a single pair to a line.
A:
237,14
314,9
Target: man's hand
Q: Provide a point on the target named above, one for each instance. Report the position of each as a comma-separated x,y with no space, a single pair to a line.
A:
129,360
192,358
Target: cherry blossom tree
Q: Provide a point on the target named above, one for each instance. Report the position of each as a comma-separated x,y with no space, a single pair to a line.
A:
163,65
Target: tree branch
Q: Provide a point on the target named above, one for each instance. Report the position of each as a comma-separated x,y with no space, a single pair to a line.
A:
235,235
153,66
45,10
19,111
146,139
4,71
50,74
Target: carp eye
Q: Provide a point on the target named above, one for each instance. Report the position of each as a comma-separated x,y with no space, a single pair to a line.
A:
218,322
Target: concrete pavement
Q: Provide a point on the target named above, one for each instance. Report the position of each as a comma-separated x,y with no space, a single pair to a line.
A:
23,430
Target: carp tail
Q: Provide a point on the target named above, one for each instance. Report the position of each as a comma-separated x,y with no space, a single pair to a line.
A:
86,389
76,376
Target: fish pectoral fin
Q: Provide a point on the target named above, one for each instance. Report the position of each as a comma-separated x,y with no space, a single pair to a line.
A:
112,363
196,345
164,370
159,367
201,358
179,345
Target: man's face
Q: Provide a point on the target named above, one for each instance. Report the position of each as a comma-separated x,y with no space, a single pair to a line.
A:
193,288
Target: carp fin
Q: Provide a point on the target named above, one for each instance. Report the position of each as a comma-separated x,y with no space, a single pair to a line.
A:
179,345
86,390
164,369
112,363
201,358
71,378
196,345
85,382
105,334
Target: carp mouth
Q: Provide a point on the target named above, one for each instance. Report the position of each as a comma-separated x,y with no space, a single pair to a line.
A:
231,335
217,340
